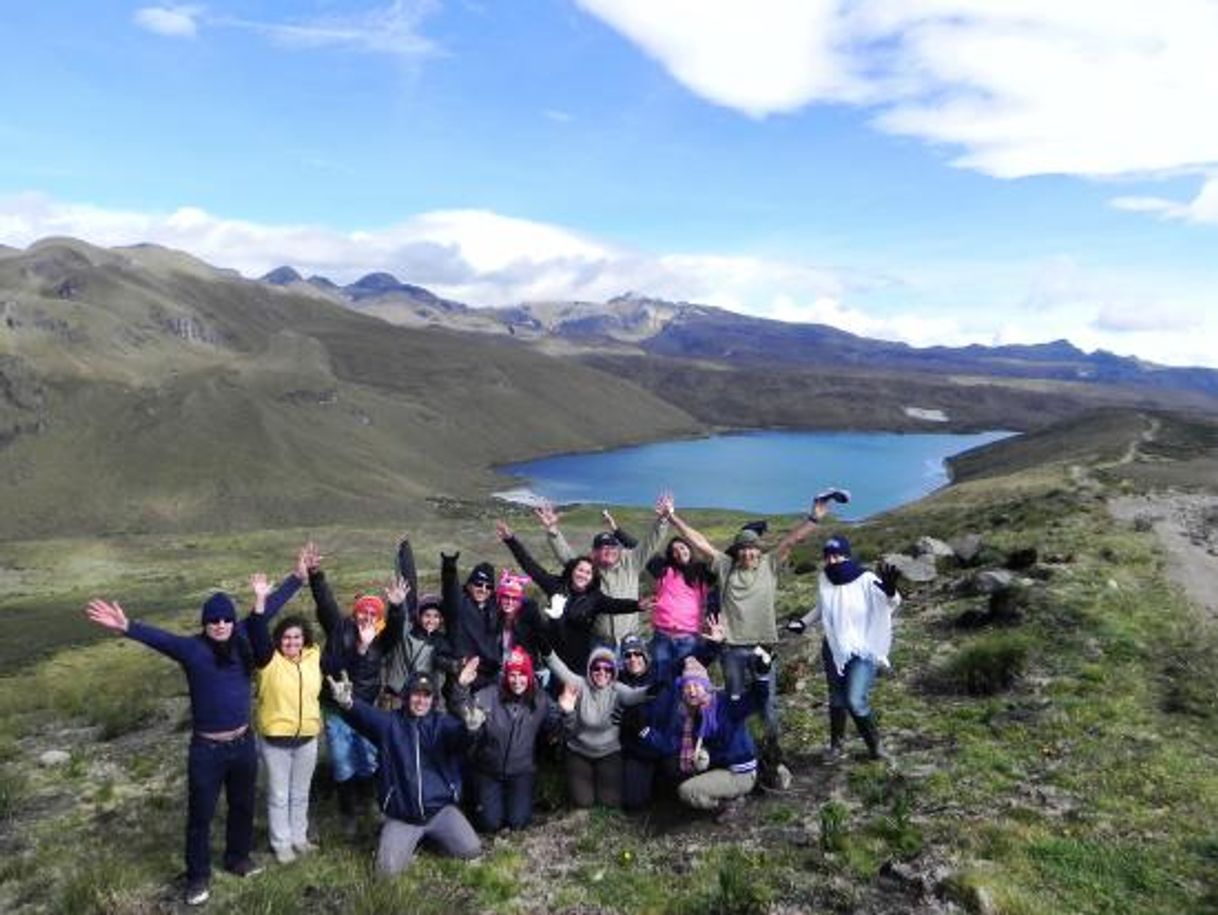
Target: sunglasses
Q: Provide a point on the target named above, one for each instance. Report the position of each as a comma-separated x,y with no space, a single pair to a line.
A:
229,621
602,668
633,654
480,584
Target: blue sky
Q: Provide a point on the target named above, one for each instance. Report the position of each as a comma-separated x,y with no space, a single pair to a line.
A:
935,171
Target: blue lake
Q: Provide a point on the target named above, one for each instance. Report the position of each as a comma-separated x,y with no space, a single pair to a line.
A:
762,472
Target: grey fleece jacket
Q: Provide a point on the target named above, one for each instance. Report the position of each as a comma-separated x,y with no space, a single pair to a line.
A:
590,729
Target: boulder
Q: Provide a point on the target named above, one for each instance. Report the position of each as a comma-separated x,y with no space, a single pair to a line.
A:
966,547
915,569
991,581
54,758
929,546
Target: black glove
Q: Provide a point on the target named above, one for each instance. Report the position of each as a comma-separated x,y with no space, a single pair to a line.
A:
796,624
889,576
762,661
615,716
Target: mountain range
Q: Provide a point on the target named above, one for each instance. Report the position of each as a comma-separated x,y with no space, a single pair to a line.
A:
143,389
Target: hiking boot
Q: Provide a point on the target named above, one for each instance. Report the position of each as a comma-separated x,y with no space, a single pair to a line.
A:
245,868
285,855
197,892
730,811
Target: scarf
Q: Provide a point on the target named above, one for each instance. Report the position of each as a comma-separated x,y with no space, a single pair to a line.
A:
842,573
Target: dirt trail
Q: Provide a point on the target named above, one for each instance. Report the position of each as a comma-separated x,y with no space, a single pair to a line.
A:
1187,527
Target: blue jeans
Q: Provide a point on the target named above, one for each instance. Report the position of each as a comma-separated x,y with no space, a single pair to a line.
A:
351,754
738,676
668,653
850,689
504,801
210,766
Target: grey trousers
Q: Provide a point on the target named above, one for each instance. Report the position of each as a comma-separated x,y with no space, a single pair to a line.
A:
289,775
448,830
710,789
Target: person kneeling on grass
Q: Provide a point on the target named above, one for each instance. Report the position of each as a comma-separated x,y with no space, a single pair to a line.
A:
219,666
704,738
419,778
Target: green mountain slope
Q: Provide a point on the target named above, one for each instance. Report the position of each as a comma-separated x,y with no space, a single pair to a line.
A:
141,390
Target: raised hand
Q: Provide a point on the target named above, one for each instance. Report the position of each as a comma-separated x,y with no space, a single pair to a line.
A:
342,690
568,697
396,590
469,671
607,518
107,615
547,517
261,586
366,628
889,576
503,531
308,560
665,505
558,603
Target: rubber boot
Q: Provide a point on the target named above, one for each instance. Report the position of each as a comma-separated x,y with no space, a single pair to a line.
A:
774,774
871,736
837,734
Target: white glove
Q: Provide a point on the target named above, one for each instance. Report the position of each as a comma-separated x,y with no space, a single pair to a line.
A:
558,603
342,690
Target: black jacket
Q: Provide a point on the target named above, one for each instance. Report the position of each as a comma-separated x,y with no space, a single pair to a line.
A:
342,636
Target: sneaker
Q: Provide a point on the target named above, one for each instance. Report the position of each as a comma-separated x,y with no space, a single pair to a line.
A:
245,868
197,892
304,848
832,754
285,855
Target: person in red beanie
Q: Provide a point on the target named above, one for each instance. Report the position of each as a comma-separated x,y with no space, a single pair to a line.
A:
506,718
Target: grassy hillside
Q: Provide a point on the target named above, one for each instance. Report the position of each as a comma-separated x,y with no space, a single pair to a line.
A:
141,390
866,398
1059,762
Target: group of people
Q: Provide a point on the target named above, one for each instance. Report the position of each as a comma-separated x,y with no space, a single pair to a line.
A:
440,705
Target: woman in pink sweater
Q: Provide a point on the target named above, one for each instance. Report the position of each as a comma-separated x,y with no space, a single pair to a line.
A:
678,605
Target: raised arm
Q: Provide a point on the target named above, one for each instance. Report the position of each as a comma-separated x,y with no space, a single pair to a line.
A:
328,613
627,540
450,592
695,537
658,530
547,581
255,623
409,574
820,508
110,615
548,518
562,671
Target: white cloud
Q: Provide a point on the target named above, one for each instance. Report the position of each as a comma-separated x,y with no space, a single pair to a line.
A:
174,21
762,57
1019,87
484,258
391,29
1201,209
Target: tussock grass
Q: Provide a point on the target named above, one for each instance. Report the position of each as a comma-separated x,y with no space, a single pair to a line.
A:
987,665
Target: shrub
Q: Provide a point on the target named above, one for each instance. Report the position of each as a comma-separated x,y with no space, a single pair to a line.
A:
987,665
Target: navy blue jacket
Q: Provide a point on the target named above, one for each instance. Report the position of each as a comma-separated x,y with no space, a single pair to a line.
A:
730,745
419,770
219,687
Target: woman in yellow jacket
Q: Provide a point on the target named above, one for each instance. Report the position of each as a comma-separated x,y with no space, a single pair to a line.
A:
289,720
